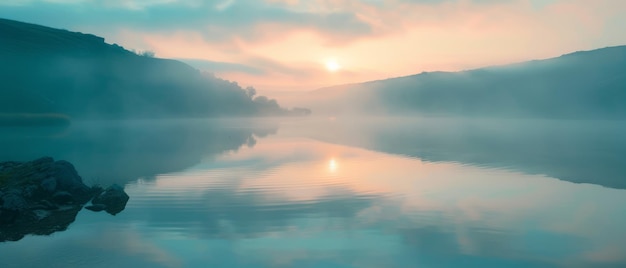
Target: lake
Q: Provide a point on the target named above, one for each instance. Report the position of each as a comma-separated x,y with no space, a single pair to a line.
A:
338,192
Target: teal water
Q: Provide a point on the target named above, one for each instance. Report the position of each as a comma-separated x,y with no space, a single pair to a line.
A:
338,193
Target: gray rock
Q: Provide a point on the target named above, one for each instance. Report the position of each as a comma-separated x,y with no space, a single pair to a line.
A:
49,184
113,198
63,198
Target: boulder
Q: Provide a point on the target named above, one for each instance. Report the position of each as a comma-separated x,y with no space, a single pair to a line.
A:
49,184
67,178
44,196
113,198
11,205
14,200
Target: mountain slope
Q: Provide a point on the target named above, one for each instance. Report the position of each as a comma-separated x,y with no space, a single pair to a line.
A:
46,70
590,84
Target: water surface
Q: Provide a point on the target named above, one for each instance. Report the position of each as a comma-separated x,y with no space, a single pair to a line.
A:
325,193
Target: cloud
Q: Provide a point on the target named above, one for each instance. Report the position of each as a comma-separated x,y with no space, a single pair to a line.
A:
281,43
216,66
219,21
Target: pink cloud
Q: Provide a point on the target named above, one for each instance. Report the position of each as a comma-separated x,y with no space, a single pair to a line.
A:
405,39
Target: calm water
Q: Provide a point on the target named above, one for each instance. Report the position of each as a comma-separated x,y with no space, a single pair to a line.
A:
339,193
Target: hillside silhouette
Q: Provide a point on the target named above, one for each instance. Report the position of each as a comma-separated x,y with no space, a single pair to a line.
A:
52,71
588,84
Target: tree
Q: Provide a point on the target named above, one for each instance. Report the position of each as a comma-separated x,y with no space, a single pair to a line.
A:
250,91
147,53
297,111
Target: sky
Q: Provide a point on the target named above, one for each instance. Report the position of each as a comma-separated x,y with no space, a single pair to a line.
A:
298,45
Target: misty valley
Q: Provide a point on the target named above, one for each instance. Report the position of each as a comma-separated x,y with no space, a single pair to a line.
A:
111,157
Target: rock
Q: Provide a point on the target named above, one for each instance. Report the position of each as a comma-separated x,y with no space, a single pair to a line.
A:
42,161
44,204
63,198
12,205
49,184
96,207
67,178
48,205
41,214
113,198
14,201
29,191
38,176
7,217
44,196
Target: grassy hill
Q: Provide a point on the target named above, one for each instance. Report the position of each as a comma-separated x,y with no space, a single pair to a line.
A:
52,71
589,84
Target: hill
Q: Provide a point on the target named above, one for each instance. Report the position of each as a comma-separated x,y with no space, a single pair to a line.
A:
51,71
588,84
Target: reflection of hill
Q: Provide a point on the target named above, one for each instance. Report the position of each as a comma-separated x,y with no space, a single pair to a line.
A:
116,152
576,151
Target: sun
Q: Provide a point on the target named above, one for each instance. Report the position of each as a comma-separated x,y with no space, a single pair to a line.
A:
332,165
332,65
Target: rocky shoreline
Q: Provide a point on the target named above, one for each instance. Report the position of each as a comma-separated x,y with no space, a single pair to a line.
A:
44,196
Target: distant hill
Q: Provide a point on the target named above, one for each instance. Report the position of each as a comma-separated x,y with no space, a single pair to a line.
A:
51,71
589,84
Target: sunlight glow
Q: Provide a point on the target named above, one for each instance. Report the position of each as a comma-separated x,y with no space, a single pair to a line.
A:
332,65
332,165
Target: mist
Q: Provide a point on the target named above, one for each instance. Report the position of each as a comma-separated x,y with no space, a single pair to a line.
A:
581,85
50,71
301,134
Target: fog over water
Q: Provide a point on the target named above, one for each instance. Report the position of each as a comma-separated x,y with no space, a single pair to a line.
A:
337,192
